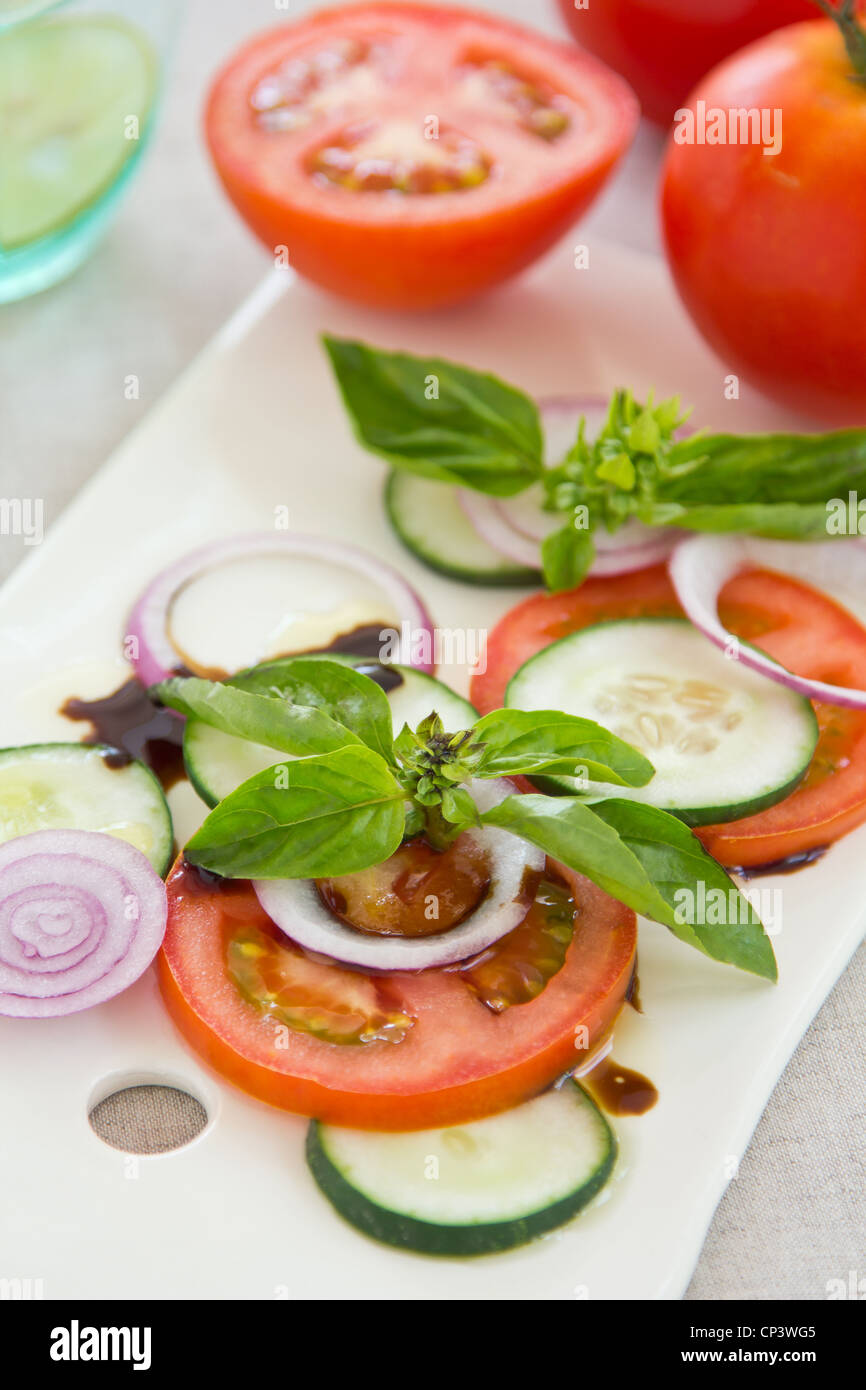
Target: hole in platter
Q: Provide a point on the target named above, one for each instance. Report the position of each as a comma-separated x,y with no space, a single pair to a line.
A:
147,1118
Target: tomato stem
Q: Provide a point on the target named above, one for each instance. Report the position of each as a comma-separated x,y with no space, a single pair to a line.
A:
852,31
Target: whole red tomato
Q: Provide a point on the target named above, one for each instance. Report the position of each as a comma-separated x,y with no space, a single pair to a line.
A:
768,251
663,47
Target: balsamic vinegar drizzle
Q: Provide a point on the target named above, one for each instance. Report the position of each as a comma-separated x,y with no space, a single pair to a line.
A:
135,728
619,1090
361,641
632,994
791,864
384,676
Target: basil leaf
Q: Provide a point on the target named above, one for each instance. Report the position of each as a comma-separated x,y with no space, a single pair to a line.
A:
337,689
774,520
438,419
525,741
569,830
693,885
768,469
287,728
566,557
646,859
458,808
311,818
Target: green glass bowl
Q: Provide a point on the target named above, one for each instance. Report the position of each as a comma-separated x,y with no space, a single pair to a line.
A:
80,84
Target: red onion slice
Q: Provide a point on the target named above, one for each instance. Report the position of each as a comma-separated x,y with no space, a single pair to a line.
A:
82,915
516,526
296,908
702,565
560,417
154,656
492,527
624,559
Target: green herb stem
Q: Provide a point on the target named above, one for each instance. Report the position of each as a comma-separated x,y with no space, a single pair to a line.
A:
845,15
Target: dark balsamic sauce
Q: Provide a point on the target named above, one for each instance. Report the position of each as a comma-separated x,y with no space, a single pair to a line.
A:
361,641
632,994
364,641
384,676
134,728
619,1090
791,864
202,880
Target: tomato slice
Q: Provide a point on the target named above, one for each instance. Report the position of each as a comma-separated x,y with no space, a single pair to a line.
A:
544,618
459,1060
410,156
801,628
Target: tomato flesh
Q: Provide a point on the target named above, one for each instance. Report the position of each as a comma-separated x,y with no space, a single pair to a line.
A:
801,628
516,968
377,141
417,892
458,1061
290,988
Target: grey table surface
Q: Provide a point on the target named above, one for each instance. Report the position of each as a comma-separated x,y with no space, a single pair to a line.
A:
175,265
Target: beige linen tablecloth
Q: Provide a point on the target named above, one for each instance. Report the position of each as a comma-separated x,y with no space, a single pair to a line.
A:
174,267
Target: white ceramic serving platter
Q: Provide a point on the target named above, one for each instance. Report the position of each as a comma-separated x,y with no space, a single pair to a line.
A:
254,425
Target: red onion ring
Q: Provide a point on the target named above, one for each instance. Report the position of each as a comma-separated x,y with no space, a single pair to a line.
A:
493,527
702,565
506,524
560,416
82,916
155,658
296,908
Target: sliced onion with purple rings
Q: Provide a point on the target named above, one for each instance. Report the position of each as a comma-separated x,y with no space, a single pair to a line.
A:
258,610
493,528
516,526
701,566
560,417
297,909
82,915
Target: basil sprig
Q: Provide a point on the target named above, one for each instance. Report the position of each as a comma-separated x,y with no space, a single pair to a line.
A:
485,434
355,793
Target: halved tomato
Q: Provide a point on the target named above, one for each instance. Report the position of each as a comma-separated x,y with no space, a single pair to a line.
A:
409,156
449,1058
801,628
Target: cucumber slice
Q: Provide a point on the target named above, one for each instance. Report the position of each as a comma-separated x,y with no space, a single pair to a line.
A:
469,1189
217,763
72,786
725,741
68,88
431,523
